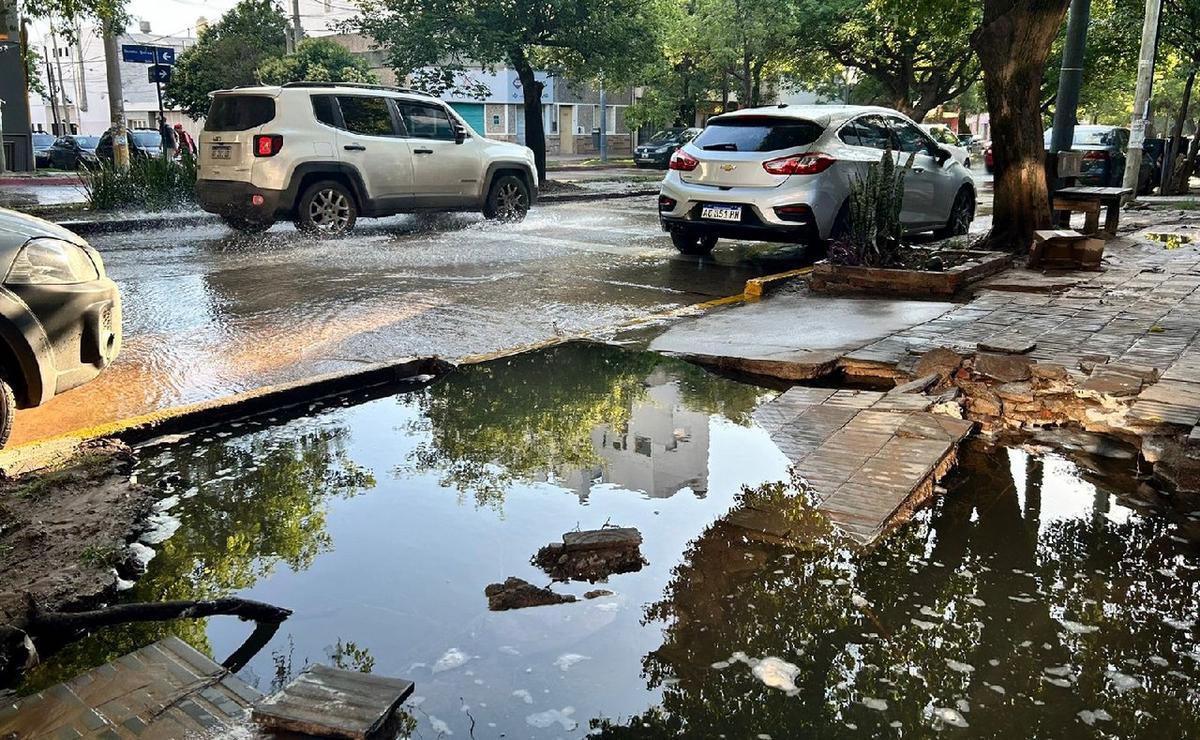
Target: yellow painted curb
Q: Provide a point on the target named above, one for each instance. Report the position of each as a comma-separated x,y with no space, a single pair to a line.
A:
758,287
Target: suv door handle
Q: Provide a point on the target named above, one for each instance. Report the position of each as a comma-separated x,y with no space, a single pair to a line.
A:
422,151
355,148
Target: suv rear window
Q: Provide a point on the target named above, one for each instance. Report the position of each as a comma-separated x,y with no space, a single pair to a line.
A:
239,112
757,134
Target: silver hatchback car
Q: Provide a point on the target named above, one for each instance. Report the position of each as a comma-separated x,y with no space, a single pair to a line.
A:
783,173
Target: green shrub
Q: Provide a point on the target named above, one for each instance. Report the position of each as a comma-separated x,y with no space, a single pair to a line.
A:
149,182
875,236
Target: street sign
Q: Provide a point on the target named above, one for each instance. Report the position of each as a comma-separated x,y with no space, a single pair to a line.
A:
144,54
159,73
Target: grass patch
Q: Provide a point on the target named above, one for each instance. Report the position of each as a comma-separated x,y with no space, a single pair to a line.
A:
101,556
86,465
151,182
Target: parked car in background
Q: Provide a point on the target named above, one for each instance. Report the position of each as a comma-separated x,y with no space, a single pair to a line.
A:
657,150
71,151
60,315
144,143
41,148
784,173
945,136
323,154
1104,149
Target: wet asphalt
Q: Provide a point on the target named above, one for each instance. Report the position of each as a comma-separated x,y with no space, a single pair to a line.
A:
208,312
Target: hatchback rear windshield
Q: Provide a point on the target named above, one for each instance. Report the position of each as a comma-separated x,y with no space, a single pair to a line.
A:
757,134
239,112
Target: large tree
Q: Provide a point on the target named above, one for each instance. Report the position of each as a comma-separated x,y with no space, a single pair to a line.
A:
917,53
1013,43
318,60
612,38
747,42
227,54
1181,32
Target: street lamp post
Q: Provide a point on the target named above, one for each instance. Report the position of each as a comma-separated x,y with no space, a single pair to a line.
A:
1141,97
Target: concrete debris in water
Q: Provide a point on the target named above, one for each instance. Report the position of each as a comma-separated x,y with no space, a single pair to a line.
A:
516,593
592,555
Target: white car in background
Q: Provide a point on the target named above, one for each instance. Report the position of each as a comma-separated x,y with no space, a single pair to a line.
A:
784,173
945,136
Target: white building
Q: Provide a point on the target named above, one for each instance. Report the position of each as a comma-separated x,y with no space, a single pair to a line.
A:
76,73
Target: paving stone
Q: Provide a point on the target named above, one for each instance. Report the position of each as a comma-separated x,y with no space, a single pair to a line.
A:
328,702
1004,368
1107,382
1008,344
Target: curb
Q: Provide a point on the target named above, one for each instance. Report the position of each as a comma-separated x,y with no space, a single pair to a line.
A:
181,419
47,180
767,284
89,227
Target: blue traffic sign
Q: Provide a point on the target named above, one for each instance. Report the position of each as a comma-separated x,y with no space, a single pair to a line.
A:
144,54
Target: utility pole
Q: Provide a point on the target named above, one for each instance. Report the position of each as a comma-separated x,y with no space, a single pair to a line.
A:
1066,106
116,101
297,29
62,86
1141,96
58,127
81,81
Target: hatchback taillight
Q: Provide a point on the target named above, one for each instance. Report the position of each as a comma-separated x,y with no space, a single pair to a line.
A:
1095,155
799,164
267,145
683,161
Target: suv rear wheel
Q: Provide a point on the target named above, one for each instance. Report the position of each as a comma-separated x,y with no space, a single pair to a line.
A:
328,208
692,242
507,199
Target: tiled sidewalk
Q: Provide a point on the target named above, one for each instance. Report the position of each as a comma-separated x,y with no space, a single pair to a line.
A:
1139,319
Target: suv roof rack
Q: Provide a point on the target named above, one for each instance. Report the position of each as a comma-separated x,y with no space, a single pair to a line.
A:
362,85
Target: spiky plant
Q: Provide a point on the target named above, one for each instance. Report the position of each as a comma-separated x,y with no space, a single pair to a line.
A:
875,202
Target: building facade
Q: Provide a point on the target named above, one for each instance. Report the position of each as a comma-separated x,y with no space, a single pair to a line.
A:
74,76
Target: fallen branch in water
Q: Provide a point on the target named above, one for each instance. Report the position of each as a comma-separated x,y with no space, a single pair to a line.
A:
40,622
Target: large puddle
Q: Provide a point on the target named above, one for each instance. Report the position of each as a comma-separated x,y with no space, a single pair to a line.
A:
1033,598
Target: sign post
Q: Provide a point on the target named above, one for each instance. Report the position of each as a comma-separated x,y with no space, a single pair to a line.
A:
159,59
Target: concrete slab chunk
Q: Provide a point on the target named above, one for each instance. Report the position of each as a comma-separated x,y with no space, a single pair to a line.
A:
328,702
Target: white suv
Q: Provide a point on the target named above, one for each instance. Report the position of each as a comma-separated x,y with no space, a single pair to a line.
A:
784,173
323,154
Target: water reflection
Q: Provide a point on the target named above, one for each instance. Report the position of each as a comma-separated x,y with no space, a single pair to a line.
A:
1028,603
578,416
247,506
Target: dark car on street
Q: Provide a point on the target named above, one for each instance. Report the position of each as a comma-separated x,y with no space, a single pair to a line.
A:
1104,149
144,143
657,150
41,148
60,315
72,151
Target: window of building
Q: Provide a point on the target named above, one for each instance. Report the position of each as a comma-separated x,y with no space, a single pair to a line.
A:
496,119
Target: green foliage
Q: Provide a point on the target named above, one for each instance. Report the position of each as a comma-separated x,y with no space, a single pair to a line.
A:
876,234
348,656
153,182
917,54
317,60
227,54
33,78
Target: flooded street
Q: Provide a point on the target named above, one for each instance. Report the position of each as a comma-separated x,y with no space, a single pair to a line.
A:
1035,598
208,312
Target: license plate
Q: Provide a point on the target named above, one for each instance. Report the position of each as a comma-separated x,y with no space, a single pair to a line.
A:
721,213
220,152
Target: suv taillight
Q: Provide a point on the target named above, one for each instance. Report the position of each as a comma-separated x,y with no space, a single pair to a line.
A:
800,164
267,145
683,161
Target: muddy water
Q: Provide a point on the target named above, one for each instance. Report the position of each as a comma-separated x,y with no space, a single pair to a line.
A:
1034,598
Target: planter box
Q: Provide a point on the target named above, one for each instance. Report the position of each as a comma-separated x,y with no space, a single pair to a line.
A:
830,278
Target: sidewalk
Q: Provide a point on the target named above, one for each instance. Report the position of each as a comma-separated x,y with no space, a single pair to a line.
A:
1115,353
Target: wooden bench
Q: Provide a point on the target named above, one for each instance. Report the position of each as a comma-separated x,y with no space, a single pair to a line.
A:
1089,200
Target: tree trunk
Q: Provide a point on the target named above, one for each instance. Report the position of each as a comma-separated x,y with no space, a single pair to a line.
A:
1012,85
1171,184
531,94
746,97
59,623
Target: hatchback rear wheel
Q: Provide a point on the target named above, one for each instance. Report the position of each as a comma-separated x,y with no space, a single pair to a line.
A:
326,208
8,408
693,242
961,215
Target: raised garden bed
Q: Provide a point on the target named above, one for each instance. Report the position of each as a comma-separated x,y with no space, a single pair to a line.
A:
960,268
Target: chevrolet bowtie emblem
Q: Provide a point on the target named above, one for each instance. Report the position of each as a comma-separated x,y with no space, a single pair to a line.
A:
728,167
